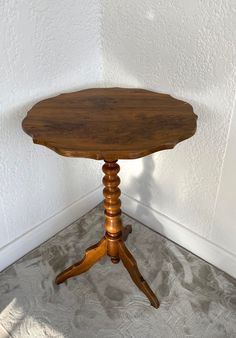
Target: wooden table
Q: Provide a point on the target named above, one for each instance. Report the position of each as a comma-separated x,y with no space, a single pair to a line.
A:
110,124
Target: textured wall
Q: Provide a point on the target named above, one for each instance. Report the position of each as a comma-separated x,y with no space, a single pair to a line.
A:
185,48
47,47
224,229
188,49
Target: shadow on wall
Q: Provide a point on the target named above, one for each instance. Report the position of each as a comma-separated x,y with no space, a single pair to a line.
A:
171,48
143,185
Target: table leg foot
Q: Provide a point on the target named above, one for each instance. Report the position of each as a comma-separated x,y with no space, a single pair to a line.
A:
92,255
126,231
131,266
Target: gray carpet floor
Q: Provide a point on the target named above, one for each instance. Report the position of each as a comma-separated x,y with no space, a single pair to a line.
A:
197,300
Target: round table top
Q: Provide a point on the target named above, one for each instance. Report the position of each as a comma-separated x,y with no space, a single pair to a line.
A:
110,123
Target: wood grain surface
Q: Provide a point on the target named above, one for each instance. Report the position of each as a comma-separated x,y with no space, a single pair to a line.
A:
110,123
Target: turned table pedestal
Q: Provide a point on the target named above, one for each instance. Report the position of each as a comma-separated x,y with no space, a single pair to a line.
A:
110,124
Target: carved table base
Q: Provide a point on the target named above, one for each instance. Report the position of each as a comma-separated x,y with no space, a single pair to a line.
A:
112,244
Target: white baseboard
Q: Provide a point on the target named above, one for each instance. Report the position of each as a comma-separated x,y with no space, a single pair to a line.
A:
167,227
179,234
48,228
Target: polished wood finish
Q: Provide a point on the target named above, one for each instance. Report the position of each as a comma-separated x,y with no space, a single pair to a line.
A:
126,231
113,242
110,123
93,254
131,266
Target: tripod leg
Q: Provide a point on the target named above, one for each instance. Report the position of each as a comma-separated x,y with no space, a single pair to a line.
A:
92,255
131,266
126,231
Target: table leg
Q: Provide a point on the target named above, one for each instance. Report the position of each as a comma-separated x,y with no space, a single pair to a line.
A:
112,244
92,255
131,266
126,231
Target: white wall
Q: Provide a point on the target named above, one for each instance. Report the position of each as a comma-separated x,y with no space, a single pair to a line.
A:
188,49
185,48
224,229
46,47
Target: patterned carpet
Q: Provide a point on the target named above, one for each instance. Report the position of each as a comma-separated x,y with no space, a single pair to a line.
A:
197,300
